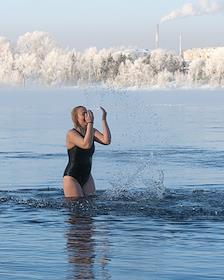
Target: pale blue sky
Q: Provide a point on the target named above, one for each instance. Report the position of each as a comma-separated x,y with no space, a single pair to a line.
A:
104,23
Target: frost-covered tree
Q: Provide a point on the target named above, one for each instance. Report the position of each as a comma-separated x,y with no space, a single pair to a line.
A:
26,66
37,42
161,60
31,50
87,66
196,71
6,62
214,67
56,68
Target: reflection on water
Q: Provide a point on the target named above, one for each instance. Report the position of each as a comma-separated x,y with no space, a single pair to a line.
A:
80,245
82,249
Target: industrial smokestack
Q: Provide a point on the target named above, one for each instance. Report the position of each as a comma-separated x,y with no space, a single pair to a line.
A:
180,46
157,36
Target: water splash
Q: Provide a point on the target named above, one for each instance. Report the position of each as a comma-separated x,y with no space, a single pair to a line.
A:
177,204
146,182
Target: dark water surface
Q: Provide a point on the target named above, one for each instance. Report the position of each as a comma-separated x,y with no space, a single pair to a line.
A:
108,237
159,209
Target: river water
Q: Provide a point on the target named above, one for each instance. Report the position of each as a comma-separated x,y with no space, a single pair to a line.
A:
159,209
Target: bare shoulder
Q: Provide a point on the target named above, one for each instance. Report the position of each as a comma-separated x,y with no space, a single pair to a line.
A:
69,133
71,138
73,135
72,132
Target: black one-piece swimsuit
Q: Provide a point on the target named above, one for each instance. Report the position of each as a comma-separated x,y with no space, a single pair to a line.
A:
80,163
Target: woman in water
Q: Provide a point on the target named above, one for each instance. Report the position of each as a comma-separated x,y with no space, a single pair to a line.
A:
77,180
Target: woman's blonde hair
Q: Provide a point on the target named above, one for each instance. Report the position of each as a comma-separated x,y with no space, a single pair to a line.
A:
74,115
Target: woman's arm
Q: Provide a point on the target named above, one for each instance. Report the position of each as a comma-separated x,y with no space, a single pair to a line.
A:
75,139
104,137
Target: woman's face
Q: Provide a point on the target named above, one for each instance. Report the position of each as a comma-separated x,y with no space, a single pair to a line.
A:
81,116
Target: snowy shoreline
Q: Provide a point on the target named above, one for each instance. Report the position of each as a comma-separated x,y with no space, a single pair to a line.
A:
37,60
107,88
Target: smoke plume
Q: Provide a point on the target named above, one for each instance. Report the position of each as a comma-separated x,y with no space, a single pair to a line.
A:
203,7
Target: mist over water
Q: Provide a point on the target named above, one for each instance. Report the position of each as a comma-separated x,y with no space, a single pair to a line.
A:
159,186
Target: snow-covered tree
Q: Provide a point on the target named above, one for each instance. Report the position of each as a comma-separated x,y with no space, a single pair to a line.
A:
214,67
196,71
37,42
6,61
56,68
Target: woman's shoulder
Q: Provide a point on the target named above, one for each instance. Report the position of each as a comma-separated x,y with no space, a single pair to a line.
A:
73,132
70,131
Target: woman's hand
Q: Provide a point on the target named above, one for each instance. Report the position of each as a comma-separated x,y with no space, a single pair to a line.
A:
104,116
89,118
